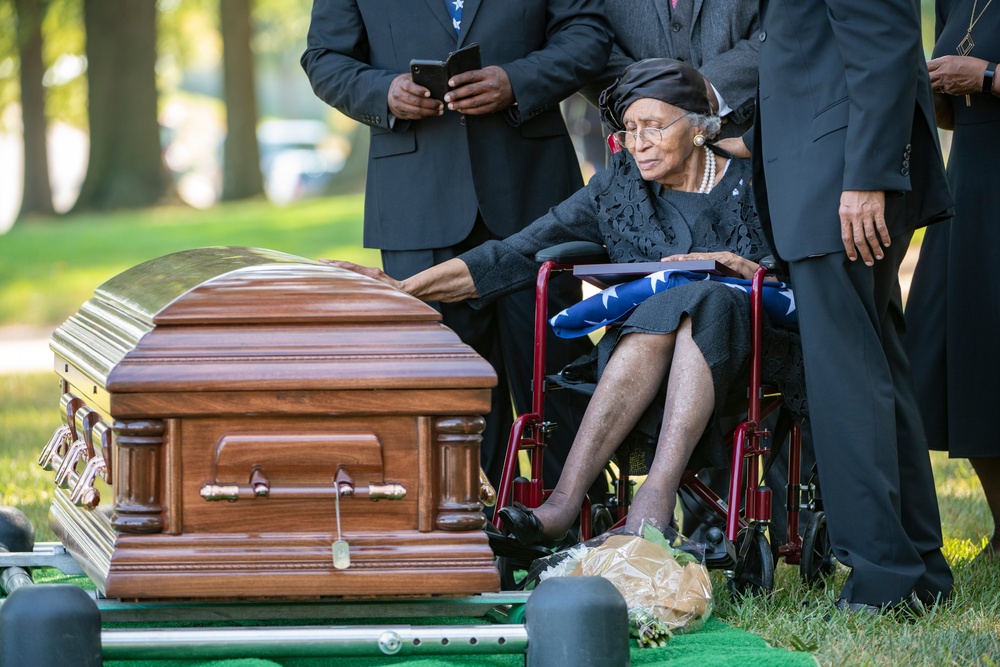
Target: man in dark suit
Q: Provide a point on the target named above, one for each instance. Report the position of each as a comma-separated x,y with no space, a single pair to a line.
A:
717,37
444,177
847,165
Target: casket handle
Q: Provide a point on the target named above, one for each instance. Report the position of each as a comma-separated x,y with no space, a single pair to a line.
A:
84,494
49,456
487,494
260,486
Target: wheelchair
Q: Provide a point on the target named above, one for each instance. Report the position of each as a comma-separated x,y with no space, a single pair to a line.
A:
740,548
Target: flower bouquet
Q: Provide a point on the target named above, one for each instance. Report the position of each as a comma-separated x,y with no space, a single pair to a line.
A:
663,579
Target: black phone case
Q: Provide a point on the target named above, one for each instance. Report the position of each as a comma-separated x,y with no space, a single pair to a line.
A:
434,74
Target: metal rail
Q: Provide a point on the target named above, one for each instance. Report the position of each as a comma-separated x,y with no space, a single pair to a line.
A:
272,642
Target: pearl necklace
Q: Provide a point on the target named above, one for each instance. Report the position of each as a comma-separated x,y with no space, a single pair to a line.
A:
708,180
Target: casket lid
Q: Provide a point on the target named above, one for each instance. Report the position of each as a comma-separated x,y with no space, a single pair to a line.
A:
218,318
234,284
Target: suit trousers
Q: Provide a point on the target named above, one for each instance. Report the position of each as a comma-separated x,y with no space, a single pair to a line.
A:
874,467
502,332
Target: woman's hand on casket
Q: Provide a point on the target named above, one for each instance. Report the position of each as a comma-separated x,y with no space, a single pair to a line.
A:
369,271
448,281
743,267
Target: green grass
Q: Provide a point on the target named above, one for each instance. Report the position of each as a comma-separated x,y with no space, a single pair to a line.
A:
48,267
965,631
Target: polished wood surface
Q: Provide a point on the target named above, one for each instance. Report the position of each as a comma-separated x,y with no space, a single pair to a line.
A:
233,393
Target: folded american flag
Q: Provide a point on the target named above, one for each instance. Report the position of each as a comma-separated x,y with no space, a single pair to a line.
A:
617,301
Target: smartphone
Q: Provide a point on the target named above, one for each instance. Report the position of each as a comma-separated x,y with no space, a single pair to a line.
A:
434,74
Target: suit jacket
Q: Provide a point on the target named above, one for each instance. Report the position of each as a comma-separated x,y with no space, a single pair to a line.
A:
427,179
844,104
722,43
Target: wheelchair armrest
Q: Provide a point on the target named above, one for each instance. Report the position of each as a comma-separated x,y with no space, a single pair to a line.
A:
774,266
574,252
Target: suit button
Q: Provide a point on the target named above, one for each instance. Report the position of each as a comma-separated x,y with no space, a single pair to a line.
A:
676,27
763,35
461,120
905,171
378,119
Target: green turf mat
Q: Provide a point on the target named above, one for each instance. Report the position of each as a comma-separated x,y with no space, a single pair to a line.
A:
715,645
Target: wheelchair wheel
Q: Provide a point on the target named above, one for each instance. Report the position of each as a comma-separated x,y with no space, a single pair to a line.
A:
601,520
512,573
818,561
754,572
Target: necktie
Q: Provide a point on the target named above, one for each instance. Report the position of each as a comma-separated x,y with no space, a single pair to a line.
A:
455,11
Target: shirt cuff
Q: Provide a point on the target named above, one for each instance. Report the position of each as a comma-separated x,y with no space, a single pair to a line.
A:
723,107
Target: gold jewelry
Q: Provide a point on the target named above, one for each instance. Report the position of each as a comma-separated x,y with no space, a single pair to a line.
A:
699,139
966,45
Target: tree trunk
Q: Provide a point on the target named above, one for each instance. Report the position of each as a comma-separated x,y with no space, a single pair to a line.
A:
126,165
241,177
37,192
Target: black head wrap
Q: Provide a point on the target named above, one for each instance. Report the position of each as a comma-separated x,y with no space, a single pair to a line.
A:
663,79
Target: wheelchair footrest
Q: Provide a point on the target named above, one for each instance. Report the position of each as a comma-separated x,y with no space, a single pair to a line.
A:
505,546
721,556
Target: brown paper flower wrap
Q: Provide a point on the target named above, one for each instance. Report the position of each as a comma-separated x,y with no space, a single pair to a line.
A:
666,588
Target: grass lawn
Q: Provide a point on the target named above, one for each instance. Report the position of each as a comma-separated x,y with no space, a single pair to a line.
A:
48,268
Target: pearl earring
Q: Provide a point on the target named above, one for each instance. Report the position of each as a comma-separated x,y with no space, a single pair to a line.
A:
699,140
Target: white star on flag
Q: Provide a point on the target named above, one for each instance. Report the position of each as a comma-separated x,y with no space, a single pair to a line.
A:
610,293
791,299
456,24
658,277
459,4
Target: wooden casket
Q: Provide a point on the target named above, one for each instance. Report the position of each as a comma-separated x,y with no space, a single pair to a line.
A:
220,403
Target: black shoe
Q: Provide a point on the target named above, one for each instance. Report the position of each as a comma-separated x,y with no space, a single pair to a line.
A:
525,526
909,608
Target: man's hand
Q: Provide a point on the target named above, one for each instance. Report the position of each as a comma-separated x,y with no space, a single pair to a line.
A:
957,75
411,101
862,224
480,91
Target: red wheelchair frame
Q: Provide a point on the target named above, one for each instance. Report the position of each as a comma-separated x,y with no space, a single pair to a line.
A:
745,528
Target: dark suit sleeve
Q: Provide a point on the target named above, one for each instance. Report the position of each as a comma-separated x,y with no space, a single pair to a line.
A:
337,60
576,51
880,46
734,73
500,268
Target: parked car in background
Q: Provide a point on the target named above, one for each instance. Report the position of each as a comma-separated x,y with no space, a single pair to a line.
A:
298,158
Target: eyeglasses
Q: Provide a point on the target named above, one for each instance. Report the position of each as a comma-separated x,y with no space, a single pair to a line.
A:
651,135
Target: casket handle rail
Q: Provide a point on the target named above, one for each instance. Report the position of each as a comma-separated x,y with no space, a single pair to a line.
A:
58,445
82,448
259,486
73,443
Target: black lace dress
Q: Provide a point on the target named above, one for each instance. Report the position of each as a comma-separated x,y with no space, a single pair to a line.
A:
641,221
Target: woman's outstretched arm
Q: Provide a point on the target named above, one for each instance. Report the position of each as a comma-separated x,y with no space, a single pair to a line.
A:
448,281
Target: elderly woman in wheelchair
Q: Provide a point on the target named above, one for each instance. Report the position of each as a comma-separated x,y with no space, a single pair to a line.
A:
667,370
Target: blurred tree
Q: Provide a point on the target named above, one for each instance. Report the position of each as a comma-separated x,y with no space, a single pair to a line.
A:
37,190
125,169
241,176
